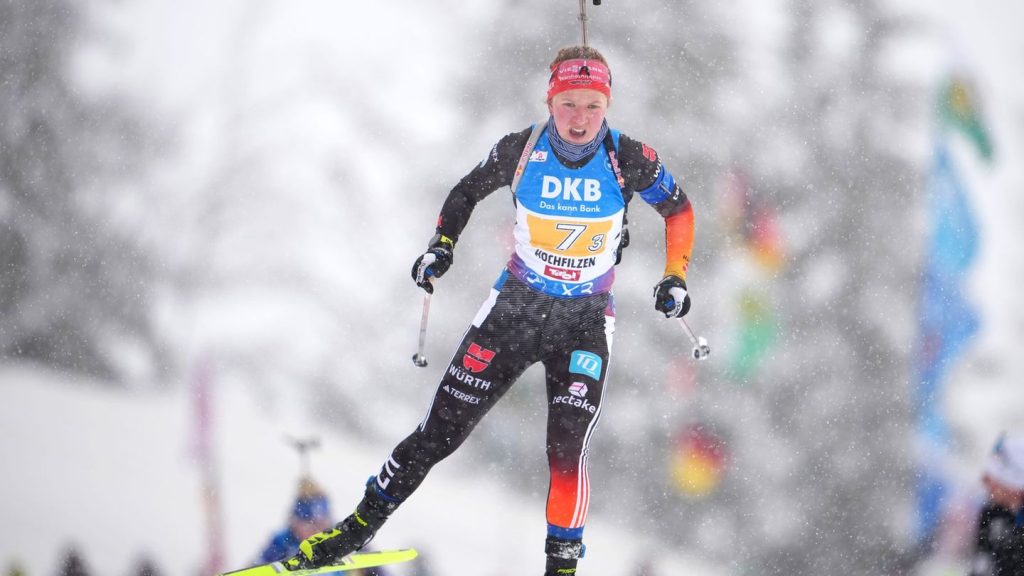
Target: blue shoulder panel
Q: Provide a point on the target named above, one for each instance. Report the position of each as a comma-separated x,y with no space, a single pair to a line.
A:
661,189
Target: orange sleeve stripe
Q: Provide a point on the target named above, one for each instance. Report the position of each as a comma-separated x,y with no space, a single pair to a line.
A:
679,231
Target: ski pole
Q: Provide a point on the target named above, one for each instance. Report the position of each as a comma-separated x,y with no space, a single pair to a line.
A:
701,350
303,447
583,19
419,358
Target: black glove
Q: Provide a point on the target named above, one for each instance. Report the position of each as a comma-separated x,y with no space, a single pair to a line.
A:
434,262
671,298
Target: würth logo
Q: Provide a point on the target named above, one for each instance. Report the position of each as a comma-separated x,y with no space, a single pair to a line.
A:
649,153
477,358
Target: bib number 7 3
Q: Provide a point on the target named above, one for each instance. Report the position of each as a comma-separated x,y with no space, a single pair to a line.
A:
572,238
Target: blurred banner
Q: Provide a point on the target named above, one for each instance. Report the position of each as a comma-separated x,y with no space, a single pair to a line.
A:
698,462
755,224
753,221
946,320
681,377
757,333
958,112
206,456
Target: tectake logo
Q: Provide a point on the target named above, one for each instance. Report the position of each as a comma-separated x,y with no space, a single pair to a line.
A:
562,274
578,389
576,401
477,358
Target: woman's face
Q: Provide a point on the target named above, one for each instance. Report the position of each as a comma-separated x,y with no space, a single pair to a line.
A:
578,114
304,528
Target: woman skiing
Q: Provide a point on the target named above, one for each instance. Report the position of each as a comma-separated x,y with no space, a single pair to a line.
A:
572,179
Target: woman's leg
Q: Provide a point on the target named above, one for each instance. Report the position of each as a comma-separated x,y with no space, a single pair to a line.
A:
576,387
497,348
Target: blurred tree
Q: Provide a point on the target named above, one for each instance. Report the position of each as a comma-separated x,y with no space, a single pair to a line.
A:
830,406
70,285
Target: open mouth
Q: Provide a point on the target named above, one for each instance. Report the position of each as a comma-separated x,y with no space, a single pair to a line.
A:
577,132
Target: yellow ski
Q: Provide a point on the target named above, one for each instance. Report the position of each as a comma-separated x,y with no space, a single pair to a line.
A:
351,562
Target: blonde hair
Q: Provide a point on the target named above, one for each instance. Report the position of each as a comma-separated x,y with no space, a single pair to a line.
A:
574,52
308,488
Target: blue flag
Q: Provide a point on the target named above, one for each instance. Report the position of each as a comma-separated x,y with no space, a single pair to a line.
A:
947,323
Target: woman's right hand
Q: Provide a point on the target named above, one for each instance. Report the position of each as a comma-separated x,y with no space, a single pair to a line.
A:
434,262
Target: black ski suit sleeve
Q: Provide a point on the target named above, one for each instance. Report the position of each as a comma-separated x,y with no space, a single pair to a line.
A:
642,170
495,171
645,175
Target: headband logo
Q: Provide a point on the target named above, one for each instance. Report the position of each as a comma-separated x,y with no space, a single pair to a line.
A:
579,72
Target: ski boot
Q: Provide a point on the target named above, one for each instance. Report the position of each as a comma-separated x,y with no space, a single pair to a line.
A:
349,535
562,556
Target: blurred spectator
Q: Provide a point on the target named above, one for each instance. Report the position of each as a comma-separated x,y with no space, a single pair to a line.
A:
147,568
310,514
644,568
419,567
73,564
999,539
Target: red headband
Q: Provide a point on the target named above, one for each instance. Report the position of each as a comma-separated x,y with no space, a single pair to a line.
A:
580,73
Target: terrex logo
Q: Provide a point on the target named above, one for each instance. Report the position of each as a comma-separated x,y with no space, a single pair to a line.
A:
467,398
569,189
477,358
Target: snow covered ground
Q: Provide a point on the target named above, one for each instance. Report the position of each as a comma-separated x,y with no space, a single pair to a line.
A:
116,475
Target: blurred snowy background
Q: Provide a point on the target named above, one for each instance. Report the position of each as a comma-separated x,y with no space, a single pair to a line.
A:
208,212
